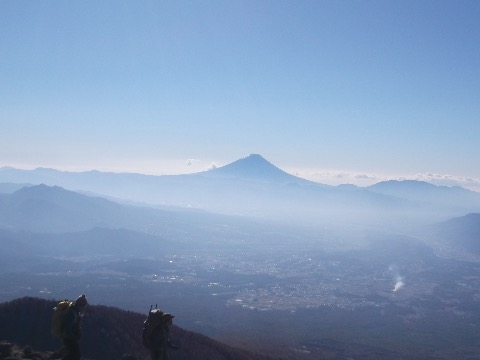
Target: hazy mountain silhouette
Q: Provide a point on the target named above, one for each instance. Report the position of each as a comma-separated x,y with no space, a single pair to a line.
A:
442,202
462,233
41,208
108,333
255,167
46,209
421,191
253,186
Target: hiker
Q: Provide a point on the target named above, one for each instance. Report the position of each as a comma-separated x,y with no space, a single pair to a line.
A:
159,341
71,329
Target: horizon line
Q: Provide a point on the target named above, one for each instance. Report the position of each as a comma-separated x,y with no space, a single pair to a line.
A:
321,176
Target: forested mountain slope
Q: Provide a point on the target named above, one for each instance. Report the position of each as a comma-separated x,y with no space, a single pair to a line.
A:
108,334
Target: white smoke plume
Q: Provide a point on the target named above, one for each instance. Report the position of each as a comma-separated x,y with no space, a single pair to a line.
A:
398,284
397,277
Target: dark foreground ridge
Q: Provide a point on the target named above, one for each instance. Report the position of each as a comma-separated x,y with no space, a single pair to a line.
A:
108,334
10,351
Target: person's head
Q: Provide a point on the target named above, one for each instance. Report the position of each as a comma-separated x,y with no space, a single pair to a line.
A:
81,303
167,318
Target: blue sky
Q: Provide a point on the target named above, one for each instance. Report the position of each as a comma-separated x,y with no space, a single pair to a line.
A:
335,91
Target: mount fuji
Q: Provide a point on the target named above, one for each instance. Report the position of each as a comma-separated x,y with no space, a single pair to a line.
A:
252,186
257,168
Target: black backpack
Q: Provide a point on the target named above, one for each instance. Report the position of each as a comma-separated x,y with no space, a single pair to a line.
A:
153,320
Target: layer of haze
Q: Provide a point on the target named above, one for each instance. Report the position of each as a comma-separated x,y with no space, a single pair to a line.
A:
334,91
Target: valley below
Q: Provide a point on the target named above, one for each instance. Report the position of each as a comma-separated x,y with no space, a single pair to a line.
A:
377,294
256,258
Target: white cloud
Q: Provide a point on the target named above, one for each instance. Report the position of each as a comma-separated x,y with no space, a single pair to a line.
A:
450,180
337,177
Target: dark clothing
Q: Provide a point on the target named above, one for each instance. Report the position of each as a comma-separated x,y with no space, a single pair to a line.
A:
72,349
160,354
71,333
160,343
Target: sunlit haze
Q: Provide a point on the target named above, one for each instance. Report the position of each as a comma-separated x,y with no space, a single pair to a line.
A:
332,91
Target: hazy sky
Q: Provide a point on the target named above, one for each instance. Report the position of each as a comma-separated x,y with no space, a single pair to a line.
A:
336,91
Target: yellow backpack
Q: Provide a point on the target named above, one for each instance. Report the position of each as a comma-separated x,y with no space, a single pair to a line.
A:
59,312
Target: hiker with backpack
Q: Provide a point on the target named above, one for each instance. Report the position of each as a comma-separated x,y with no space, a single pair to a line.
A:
66,323
156,334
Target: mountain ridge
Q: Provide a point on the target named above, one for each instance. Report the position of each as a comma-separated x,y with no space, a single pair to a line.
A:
461,233
255,166
108,333
254,187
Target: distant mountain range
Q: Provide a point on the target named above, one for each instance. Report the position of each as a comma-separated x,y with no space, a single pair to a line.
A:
251,186
462,233
40,221
127,236
41,208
